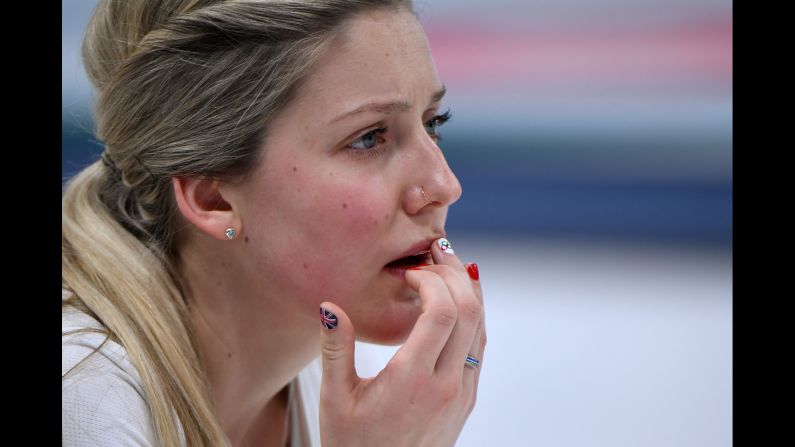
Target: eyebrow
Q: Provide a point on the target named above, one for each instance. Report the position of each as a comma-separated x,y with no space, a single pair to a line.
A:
388,107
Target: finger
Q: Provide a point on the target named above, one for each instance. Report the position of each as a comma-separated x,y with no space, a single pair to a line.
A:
471,377
477,350
337,351
451,359
433,326
478,347
442,253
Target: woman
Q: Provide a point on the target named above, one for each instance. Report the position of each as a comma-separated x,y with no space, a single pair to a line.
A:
264,159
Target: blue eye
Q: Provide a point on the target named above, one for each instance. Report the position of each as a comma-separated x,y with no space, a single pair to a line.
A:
369,140
373,142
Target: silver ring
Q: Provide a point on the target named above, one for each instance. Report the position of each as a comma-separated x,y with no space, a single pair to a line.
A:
471,362
422,190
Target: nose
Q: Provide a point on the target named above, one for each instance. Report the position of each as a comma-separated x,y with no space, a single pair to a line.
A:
433,183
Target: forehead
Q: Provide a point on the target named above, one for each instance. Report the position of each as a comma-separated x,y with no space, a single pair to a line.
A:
377,54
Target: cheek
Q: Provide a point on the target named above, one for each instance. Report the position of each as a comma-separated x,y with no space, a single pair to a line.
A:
352,213
344,224
347,205
325,236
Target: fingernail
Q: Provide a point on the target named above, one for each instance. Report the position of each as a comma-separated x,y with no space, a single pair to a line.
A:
327,318
417,267
445,246
472,269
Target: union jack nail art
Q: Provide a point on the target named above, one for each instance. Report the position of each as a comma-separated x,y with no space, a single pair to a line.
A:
327,319
444,244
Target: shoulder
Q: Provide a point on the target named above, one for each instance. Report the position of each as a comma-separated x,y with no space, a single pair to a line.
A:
102,400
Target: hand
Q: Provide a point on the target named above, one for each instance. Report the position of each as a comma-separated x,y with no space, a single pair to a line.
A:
425,393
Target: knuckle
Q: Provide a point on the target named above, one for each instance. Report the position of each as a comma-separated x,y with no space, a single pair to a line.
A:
333,351
419,381
471,309
445,315
416,380
450,390
438,280
396,365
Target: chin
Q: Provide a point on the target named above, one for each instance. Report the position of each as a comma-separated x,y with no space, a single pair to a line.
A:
391,330
385,339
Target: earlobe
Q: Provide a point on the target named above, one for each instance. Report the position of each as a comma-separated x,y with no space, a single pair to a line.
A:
200,201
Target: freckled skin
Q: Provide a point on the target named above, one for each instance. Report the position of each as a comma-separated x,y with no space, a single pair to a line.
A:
294,216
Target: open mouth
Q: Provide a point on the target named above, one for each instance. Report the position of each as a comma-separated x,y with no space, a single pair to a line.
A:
410,261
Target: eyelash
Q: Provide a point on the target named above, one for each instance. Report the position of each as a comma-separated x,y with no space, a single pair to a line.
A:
434,123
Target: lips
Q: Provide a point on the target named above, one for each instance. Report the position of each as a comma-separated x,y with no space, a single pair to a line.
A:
419,253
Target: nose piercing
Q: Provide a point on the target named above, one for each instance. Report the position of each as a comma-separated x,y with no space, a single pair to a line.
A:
422,190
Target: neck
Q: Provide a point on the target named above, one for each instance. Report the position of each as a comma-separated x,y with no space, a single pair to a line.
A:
252,347
272,427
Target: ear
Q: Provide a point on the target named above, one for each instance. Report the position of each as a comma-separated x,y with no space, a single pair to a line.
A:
202,204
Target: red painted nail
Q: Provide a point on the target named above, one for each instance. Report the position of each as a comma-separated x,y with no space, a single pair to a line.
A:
417,267
472,269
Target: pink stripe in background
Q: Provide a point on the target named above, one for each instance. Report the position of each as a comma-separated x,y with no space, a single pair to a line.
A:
472,56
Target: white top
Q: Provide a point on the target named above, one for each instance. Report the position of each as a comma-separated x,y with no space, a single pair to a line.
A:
104,404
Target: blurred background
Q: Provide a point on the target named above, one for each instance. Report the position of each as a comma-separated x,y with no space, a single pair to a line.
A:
593,140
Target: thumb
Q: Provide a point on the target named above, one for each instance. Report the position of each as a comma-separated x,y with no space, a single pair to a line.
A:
337,349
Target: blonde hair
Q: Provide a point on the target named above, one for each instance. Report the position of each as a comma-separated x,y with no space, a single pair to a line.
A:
184,87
